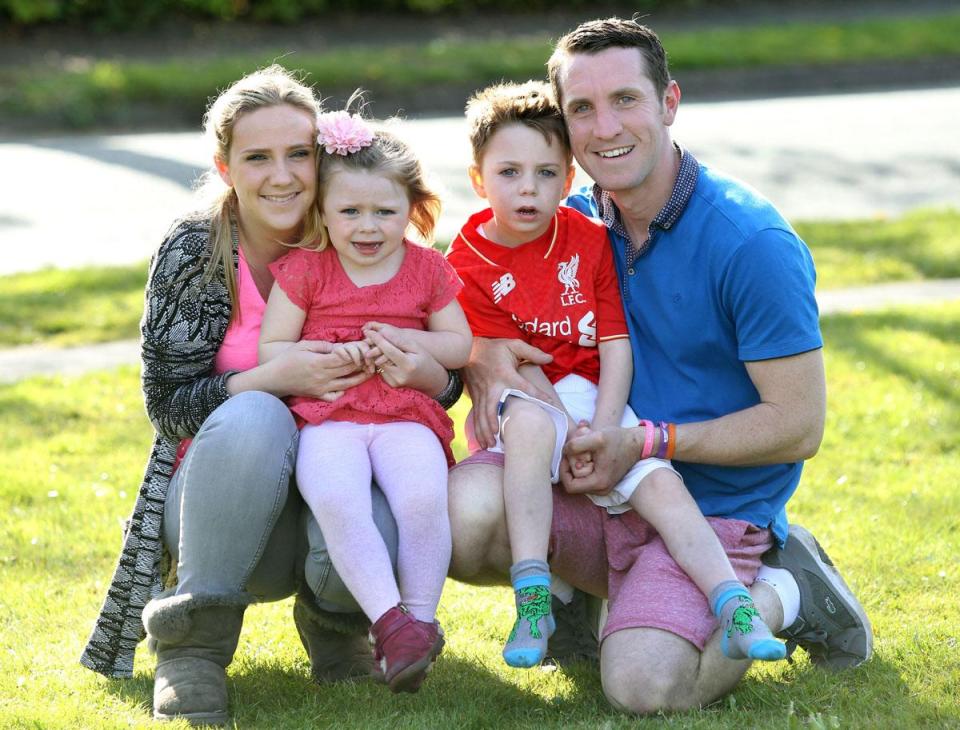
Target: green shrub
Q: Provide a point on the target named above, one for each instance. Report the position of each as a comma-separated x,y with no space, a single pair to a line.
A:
120,14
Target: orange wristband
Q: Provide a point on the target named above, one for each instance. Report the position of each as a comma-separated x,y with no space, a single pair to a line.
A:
672,440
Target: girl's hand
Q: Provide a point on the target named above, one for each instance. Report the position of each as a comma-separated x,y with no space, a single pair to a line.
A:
401,362
354,352
311,368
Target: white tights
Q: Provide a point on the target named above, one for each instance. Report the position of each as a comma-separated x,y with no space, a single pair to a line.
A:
335,463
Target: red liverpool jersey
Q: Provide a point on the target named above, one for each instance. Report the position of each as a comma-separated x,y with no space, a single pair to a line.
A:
558,292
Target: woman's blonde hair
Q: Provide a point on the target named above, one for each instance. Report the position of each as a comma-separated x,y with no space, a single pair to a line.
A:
271,86
390,156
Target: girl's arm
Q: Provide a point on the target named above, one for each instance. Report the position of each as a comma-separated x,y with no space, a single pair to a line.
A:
281,326
616,373
447,339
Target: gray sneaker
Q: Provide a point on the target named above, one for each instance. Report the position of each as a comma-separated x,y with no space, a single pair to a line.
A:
575,638
832,626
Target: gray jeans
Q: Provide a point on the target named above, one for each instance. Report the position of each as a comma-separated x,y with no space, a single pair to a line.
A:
234,520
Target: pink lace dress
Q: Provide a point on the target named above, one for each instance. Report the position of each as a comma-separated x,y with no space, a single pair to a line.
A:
337,309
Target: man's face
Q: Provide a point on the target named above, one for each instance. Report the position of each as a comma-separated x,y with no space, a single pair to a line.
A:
619,126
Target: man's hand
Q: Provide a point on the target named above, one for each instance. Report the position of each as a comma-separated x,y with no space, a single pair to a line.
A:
492,369
614,450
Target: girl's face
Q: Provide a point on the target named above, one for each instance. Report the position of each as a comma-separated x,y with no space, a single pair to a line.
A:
366,214
272,168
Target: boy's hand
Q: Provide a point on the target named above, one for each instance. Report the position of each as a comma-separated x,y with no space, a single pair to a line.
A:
580,465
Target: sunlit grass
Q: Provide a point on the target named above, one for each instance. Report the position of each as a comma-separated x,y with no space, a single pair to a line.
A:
88,92
881,495
78,306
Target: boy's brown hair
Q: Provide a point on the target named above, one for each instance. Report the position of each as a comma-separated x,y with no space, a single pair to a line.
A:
531,104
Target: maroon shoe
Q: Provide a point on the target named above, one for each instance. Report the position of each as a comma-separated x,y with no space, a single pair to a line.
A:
404,648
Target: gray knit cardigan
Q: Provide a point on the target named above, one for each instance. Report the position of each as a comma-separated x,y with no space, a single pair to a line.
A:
184,321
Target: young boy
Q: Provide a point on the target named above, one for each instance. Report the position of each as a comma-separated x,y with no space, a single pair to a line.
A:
544,273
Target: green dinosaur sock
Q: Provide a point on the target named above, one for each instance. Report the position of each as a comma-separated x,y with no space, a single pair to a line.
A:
527,643
744,634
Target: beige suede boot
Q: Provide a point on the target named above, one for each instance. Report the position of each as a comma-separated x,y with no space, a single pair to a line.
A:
194,638
336,644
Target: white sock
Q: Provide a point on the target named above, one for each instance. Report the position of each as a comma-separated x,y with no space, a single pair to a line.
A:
787,591
561,589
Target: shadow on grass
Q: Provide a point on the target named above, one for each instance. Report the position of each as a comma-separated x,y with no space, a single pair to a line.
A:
463,693
851,333
924,242
458,693
805,695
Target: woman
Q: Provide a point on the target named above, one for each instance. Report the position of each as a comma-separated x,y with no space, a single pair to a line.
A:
216,525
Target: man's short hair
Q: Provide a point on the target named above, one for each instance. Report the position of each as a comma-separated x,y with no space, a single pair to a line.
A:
595,36
530,104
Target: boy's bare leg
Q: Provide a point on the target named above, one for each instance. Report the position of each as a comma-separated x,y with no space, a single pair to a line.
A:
528,437
662,499
645,671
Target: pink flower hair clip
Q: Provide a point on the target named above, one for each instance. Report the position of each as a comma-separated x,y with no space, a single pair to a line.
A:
343,133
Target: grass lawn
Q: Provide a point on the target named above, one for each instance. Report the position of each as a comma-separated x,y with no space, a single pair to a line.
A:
79,306
881,495
79,93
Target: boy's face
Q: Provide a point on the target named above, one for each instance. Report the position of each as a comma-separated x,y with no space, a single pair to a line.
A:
524,178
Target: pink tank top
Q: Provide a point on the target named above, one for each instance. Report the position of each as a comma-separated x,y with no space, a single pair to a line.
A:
238,351
239,348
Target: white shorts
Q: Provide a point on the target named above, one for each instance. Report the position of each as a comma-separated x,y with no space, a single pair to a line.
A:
579,397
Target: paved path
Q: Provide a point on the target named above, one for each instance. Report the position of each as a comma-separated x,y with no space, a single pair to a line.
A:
21,362
108,199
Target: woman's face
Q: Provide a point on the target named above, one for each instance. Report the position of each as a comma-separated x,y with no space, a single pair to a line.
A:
272,169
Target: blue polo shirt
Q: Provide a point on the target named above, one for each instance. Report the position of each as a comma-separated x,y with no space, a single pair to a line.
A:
722,281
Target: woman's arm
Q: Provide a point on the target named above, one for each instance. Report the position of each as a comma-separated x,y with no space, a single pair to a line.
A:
184,320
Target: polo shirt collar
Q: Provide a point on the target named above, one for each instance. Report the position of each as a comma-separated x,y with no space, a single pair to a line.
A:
682,191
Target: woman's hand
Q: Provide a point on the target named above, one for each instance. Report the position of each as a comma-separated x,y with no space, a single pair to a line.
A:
309,368
401,362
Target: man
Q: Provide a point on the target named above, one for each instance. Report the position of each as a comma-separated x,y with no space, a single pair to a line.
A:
718,292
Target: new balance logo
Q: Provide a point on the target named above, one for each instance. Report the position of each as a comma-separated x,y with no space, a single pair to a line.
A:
503,286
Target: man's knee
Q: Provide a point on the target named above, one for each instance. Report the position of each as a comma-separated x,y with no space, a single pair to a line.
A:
648,693
646,671
477,525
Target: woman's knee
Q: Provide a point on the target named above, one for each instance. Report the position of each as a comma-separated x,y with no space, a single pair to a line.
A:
250,432
255,414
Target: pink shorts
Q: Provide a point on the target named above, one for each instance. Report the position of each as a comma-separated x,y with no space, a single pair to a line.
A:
622,558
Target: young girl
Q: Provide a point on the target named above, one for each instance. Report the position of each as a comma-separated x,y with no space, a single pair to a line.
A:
372,279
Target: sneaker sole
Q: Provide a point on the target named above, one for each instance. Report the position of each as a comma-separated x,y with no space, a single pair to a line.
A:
857,652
